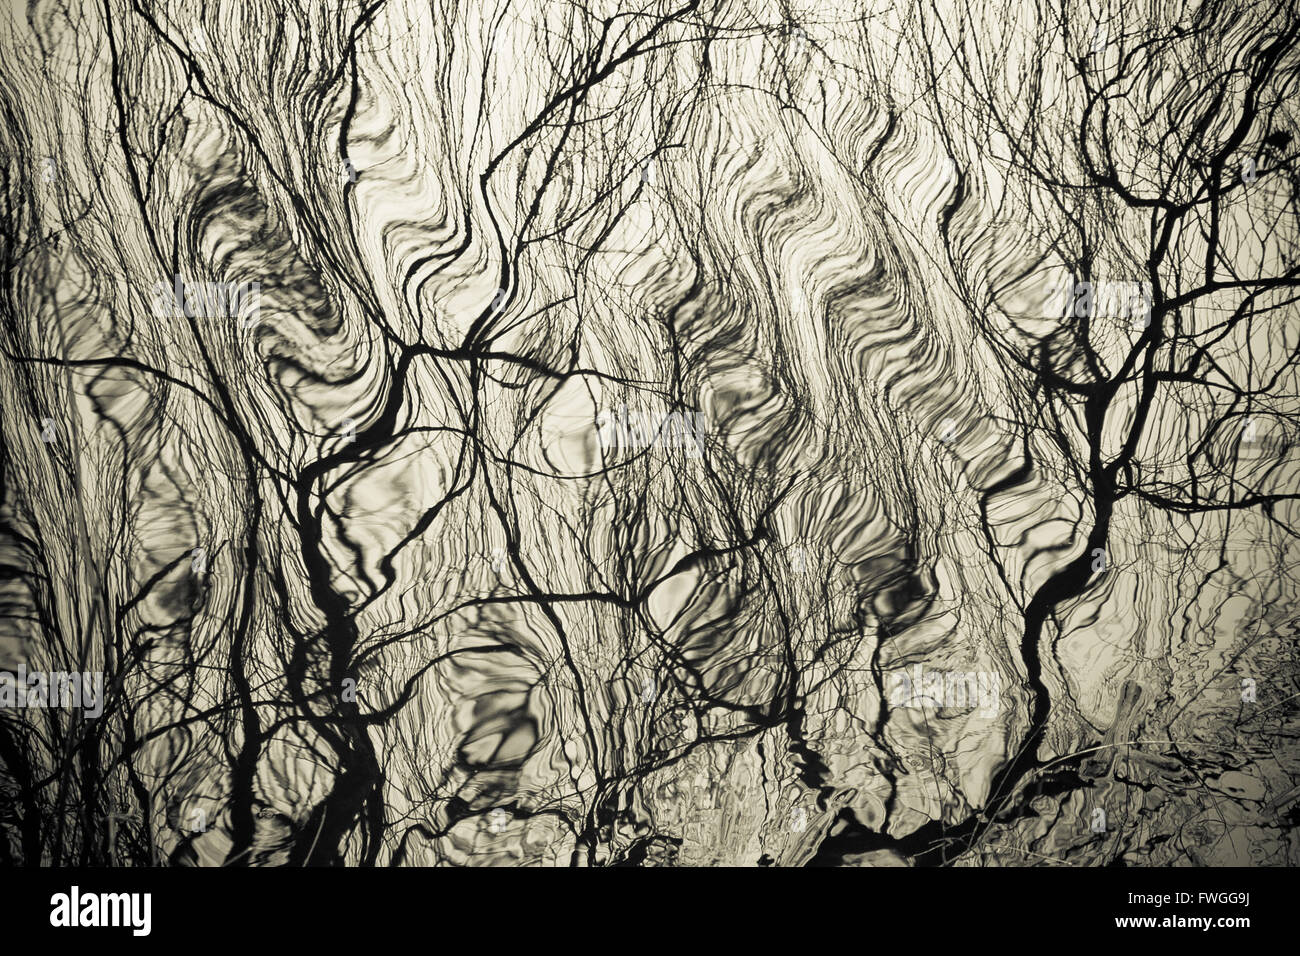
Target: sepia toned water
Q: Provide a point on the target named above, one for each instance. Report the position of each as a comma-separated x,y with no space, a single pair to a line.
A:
689,434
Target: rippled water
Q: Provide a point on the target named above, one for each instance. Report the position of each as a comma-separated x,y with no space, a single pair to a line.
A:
685,434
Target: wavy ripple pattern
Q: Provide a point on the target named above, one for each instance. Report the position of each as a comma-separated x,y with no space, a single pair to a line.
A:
536,434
